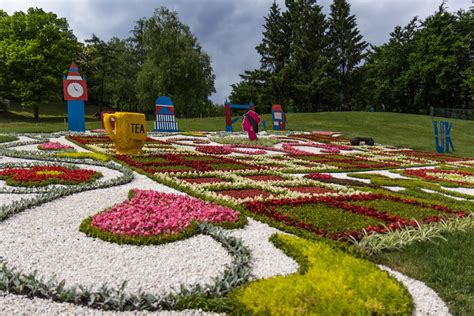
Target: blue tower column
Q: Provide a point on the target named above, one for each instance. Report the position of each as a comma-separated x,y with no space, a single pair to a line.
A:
76,116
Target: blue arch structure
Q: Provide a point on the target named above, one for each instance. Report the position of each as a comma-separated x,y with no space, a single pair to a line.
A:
228,113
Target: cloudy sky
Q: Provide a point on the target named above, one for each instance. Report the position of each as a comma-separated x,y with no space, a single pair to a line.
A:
228,30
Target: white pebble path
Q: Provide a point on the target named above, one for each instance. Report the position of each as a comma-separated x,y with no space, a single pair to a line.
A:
426,301
46,238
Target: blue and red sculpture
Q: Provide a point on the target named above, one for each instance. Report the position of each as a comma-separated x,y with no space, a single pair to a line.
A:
165,118
250,124
228,113
278,117
75,93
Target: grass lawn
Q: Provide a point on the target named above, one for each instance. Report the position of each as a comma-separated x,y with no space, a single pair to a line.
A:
447,267
407,130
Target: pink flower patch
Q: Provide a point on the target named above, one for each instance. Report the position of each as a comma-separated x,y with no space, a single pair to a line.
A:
53,146
152,213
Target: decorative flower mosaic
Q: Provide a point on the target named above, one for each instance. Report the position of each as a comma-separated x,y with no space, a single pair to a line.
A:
46,175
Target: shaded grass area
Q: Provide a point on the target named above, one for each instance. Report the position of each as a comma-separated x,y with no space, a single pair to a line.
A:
447,267
5,138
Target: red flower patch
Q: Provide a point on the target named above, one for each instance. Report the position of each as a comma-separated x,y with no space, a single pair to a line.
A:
244,193
203,180
265,178
431,175
214,150
318,176
312,190
46,175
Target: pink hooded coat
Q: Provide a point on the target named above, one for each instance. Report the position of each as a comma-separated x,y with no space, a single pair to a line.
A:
250,124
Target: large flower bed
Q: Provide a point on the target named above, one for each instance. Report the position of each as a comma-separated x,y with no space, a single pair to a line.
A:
280,185
46,175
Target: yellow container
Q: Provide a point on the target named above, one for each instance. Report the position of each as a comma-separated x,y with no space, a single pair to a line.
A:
127,131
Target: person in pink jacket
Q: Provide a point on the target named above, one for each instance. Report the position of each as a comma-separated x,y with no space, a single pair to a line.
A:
250,124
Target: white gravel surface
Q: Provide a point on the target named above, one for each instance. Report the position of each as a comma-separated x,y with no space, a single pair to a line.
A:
7,198
386,173
468,191
446,195
22,305
426,301
47,239
343,175
268,260
394,188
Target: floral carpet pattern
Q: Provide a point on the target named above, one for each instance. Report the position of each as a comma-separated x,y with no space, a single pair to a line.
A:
184,210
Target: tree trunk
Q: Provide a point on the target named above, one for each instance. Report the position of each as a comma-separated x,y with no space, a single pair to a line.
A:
36,112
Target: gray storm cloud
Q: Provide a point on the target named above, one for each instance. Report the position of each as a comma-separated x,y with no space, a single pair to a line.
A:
228,30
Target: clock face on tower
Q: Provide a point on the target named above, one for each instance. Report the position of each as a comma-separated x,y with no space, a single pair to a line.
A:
75,90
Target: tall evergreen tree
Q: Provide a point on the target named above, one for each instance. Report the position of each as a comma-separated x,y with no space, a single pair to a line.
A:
275,54
309,65
347,48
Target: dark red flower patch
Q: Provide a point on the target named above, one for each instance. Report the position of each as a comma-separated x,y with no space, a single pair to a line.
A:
244,193
312,190
318,176
264,178
203,180
214,150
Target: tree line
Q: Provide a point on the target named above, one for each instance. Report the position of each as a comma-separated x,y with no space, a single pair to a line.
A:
308,60
161,57
315,62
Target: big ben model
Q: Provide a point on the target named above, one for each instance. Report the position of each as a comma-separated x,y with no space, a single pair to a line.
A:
75,93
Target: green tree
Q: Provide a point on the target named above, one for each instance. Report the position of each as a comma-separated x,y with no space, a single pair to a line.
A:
174,65
347,49
275,50
97,66
425,64
36,48
388,69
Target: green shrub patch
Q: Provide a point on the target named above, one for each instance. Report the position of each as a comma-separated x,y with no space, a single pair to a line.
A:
330,283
